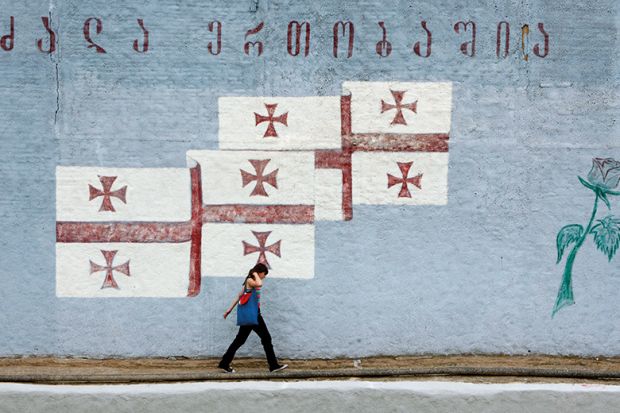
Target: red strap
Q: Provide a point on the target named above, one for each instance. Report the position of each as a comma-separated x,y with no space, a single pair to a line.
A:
245,297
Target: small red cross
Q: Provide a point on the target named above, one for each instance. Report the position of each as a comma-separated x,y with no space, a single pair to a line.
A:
259,166
399,119
271,129
262,247
107,193
404,190
109,281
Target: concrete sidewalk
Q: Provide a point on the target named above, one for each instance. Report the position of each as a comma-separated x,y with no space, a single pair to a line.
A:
312,396
480,369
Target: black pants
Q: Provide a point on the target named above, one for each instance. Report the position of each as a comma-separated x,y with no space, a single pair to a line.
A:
243,334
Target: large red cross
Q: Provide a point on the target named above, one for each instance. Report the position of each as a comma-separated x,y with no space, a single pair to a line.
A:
261,179
398,95
271,129
109,281
107,193
404,190
262,247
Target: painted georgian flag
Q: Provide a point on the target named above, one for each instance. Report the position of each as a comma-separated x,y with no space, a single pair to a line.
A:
230,249
399,134
239,182
400,178
255,177
122,269
400,107
258,206
279,123
123,232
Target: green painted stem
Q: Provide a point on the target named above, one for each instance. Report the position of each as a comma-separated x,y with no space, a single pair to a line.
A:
565,293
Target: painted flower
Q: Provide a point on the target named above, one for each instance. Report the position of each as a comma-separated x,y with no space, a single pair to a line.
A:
605,173
602,179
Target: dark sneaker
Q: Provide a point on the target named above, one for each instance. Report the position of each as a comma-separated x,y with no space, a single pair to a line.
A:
227,369
279,368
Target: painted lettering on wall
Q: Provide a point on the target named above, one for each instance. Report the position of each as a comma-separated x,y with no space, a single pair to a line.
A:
98,30
467,48
257,44
217,26
298,33
299,38
145,41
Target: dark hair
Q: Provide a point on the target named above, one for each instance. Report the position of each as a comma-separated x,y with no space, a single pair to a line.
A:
258,268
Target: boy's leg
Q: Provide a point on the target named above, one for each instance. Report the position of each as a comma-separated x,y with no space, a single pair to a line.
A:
242,335
265,338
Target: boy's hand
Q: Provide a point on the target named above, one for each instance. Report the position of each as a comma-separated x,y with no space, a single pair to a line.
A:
226,314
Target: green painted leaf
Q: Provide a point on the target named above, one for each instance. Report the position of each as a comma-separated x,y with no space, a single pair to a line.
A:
567,235
607,235
587,184
602,192
603,197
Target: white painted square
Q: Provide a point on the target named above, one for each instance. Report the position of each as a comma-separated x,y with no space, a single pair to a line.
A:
433,110
156,270
312,122
222,182
151,194
223,250
370,178
328,195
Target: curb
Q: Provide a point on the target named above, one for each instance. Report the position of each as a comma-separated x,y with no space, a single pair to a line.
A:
309,374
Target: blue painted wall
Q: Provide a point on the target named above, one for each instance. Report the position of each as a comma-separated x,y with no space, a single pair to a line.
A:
475,276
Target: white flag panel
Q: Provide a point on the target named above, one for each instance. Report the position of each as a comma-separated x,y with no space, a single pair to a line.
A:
230,250
96,194
279,123
328,192
400,178
255,177
393,107
138,270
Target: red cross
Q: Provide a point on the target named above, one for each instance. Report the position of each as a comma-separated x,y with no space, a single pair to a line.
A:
109,281
259,167
107,182
399,119
404,190
262,248
271,129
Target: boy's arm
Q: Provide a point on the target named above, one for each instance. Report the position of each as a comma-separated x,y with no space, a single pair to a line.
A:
234,303
254,281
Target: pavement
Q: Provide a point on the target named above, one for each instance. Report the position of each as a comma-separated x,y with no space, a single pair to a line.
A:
315,396
470,368
437,384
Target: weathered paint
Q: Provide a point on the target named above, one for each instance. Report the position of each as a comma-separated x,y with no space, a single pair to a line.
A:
279,123
122,269
475,275
287,249
390,178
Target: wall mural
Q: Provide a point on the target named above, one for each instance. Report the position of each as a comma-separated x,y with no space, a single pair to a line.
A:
299,35
283,164
603,178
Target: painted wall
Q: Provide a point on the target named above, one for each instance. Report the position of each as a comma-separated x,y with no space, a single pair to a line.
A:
476,273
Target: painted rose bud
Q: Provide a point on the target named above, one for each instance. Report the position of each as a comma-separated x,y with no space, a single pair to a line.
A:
605,173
